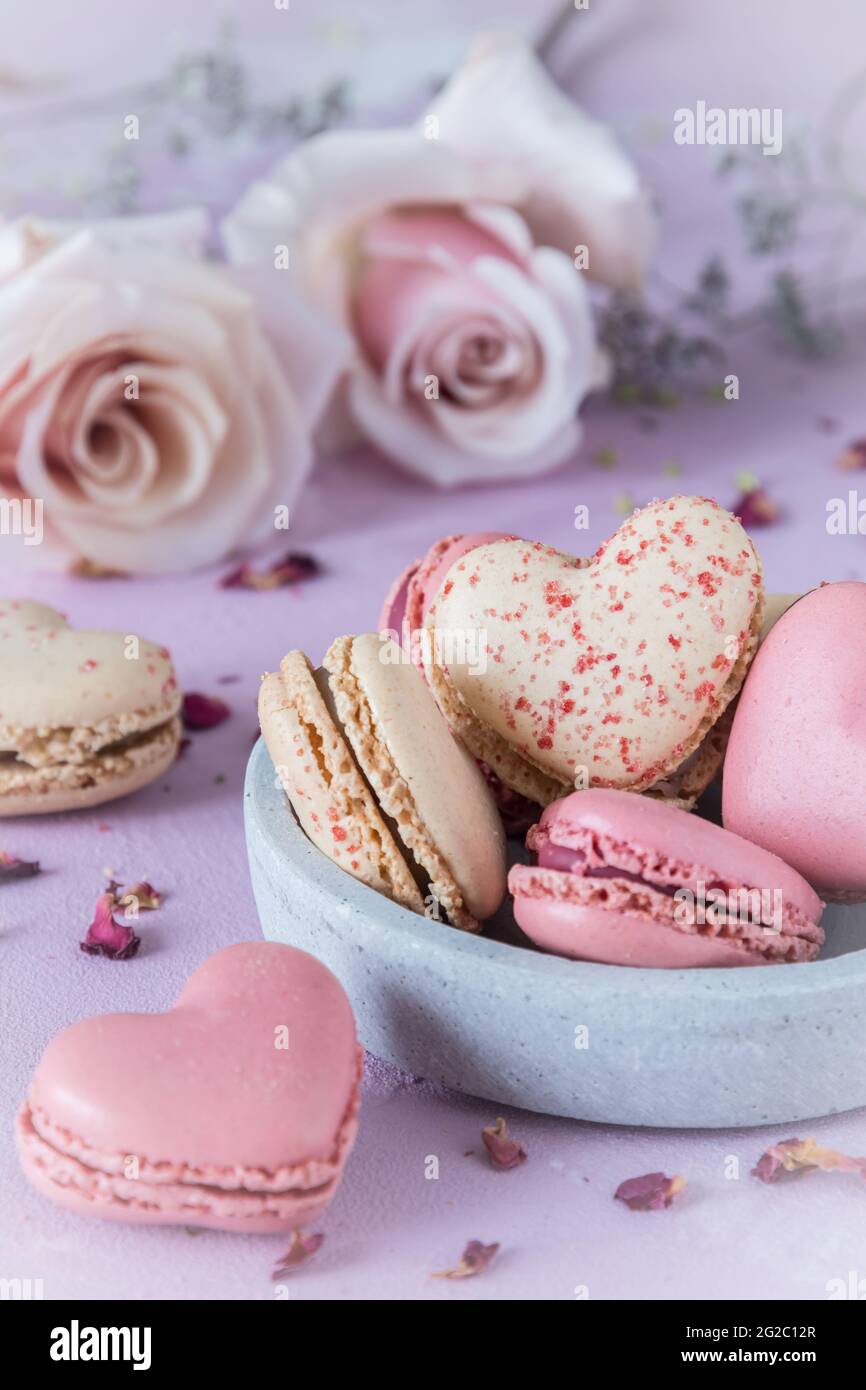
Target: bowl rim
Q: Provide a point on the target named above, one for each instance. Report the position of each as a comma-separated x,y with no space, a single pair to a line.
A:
267,807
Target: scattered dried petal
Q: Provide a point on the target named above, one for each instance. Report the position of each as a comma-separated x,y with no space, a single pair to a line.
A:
854,457
474,1260
82,568
292,568
302,1249
755,507
650,1192
141,896
11,867
517,811
504,1151
793,1157
203,711
107,937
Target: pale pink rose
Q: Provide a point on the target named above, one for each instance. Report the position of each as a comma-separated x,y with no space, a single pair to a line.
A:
448,253
140,399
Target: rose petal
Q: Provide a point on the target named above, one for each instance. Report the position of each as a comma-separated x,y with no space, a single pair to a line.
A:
11,867
650,1192
793,1157
182,473
107,937
518,812
474,1260
141,896
756,508
302,1249
854,456
82,568
502,108
504,1151
200,711
292,568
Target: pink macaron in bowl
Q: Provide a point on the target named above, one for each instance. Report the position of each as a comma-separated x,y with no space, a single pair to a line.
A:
408,601
796,762
627,880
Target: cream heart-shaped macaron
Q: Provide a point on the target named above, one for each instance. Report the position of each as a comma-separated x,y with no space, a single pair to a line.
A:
84,716
237,1109
796,762
608,673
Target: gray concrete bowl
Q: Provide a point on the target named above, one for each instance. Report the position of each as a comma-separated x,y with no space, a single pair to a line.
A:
494,1018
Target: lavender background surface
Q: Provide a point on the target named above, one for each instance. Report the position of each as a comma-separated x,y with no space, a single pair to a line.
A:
389,1228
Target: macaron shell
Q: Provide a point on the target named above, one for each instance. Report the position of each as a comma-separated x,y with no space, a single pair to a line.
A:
432,571
621,665
53,675
422,776
655,835
610,938
81,1189
207,1096
795,768
393,612
319,775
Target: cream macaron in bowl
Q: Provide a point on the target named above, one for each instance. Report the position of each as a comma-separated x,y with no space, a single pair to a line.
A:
85,717
379,783
610,672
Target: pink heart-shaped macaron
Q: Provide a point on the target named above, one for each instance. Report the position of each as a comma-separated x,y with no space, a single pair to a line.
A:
608,673
796,762
236,1109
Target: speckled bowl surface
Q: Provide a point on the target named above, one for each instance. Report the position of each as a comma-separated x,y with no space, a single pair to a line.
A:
493,1017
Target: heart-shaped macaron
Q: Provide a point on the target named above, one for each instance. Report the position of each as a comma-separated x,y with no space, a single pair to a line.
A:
84,716
236,1109
608,673
796,762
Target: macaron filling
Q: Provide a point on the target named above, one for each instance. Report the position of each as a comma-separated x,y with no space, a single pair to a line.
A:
79,757
593,870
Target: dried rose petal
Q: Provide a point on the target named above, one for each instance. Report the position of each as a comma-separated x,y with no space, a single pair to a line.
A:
290,569
651,1192
105,936
10,867
82,568
793,1157
203,711
504,1151
474,1260
302,1249
141,896
517,811
854,456
755,507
